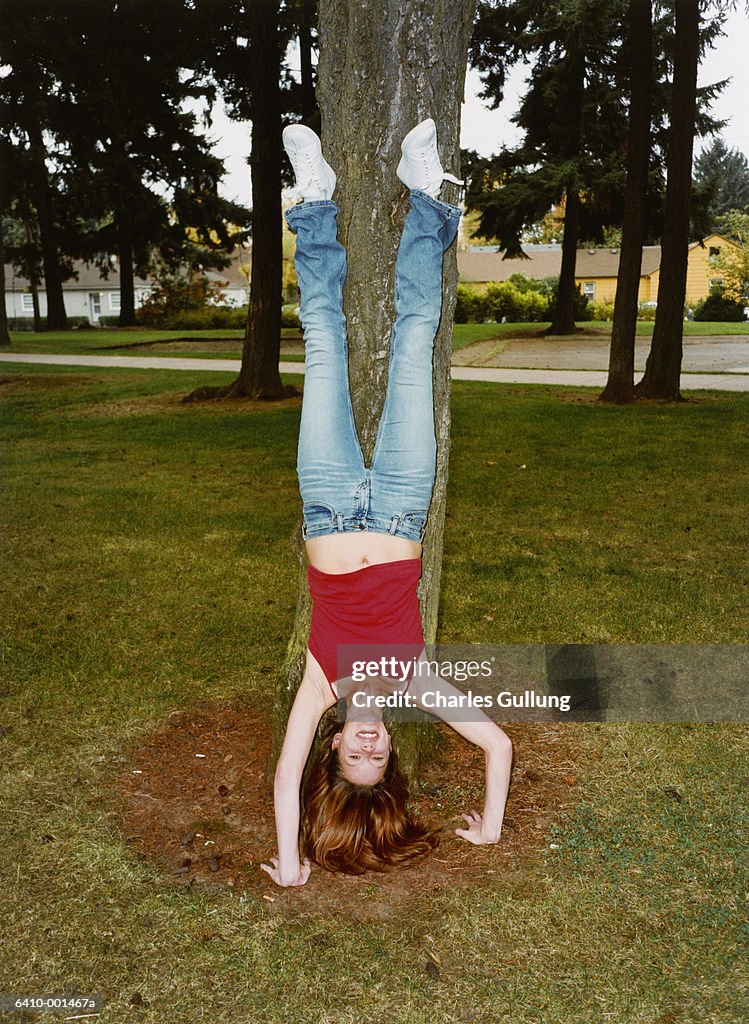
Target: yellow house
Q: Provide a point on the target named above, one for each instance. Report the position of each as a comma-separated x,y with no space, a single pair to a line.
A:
702,274
596,269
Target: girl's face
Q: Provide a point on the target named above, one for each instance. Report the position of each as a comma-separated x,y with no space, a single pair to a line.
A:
363,751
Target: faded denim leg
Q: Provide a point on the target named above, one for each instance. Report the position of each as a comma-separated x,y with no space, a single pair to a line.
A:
330,466
403,463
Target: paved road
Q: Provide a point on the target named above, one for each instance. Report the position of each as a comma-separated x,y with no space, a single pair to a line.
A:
570,378
714,354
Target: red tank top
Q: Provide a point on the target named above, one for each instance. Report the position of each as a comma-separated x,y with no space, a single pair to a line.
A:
373,605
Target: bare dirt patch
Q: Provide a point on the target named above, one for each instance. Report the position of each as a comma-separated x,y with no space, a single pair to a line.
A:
172,402
194,798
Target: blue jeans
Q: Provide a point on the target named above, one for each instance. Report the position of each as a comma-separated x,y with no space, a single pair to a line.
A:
339,493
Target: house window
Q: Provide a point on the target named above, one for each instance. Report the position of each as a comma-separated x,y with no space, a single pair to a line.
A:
716,283
714,250
114,301
27,302
589,289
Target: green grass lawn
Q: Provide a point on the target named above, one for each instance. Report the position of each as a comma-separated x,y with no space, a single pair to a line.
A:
125,341
131,342
147,567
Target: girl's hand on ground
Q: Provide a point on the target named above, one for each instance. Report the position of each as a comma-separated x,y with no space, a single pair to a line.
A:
274,871
474,833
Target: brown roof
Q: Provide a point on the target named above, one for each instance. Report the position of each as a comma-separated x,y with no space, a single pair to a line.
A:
88,279
541,263
88,276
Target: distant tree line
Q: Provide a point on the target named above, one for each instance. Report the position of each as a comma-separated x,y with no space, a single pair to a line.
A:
104,153
101,142
609,118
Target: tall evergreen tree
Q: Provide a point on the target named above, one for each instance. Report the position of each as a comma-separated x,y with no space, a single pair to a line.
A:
723,174
663,367
33,101
573,123
639,57
251,37
106,112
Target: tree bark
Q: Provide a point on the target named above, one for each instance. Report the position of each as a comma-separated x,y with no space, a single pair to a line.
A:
620,384
127,274
56,317
4,333
383,68
310,111
663,367
563,321
259,376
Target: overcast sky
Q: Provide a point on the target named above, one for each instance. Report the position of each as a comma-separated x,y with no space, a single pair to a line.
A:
486,130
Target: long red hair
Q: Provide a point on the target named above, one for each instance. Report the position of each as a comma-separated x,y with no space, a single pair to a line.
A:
352,828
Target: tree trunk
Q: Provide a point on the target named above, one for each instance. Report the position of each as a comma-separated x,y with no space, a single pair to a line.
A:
56,317
37,309
620,384
259,376
409,63
310,110
563,321
4,333
127,274
663,368
33,279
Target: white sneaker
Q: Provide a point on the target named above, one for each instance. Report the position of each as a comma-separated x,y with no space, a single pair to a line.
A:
315,178
420,166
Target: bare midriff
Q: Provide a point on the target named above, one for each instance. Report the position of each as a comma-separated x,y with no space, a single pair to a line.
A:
347,552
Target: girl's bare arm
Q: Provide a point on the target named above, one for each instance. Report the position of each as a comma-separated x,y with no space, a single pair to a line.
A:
482,828
311,702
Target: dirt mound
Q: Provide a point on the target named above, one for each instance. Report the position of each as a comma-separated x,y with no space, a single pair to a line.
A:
194,798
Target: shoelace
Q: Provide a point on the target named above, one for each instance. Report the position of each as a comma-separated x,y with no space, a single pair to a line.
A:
313,178
427,157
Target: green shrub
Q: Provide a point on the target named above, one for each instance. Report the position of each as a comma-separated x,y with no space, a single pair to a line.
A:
523,283
289,318
534,306
26,323
471,306
549,286
210,317
646,310
505,301
718,307
180,299
602,311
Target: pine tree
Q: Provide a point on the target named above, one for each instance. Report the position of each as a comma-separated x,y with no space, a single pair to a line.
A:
573,124
639,56
663,367
724,174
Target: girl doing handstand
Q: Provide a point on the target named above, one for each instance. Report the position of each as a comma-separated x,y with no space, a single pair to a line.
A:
363,528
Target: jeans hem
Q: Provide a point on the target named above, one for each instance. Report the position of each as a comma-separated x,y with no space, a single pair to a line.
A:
449,208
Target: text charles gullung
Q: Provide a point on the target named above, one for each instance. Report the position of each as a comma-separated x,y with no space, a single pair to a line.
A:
394,668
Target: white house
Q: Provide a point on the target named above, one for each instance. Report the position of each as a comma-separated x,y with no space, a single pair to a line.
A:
90,295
